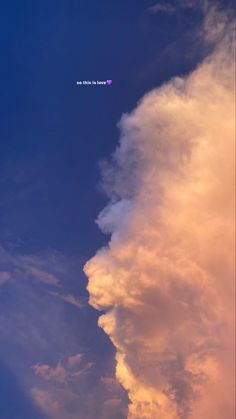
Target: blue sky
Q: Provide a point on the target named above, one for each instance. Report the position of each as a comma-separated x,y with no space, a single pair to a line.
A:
53,135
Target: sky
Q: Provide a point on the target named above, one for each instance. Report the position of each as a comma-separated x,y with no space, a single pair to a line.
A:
117,209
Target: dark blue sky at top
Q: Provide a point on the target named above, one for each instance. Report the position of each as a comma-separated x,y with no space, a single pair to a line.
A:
53,135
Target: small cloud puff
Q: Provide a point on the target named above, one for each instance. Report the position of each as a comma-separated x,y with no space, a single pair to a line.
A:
63,373
58,373
74,360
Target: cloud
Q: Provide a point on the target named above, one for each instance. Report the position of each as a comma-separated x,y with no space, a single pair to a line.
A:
52,336
111,384
41,269
58,394
83,370
113,404
40,275
214,22
45,401
53,404
60,373
179,5
162,7
4,277
166,278
74,360
70,299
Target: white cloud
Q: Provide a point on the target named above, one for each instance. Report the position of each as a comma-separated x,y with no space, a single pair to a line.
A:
166,279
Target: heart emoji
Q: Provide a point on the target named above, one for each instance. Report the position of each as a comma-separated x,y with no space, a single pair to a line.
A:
109,82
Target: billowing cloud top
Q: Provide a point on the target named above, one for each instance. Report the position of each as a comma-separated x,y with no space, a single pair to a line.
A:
165,280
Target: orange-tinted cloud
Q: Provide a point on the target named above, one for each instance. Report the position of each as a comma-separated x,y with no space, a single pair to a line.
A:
166,279
74,360
58,374
63,373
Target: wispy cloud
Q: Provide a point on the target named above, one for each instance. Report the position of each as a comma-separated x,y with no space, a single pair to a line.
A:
70,299
54,404
4,277
162,7
178,5
31,267
43,319
214,22
41,275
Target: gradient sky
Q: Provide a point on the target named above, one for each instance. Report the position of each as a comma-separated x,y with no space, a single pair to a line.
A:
55,362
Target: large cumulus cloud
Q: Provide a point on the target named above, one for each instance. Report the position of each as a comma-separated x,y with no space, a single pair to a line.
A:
165,280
